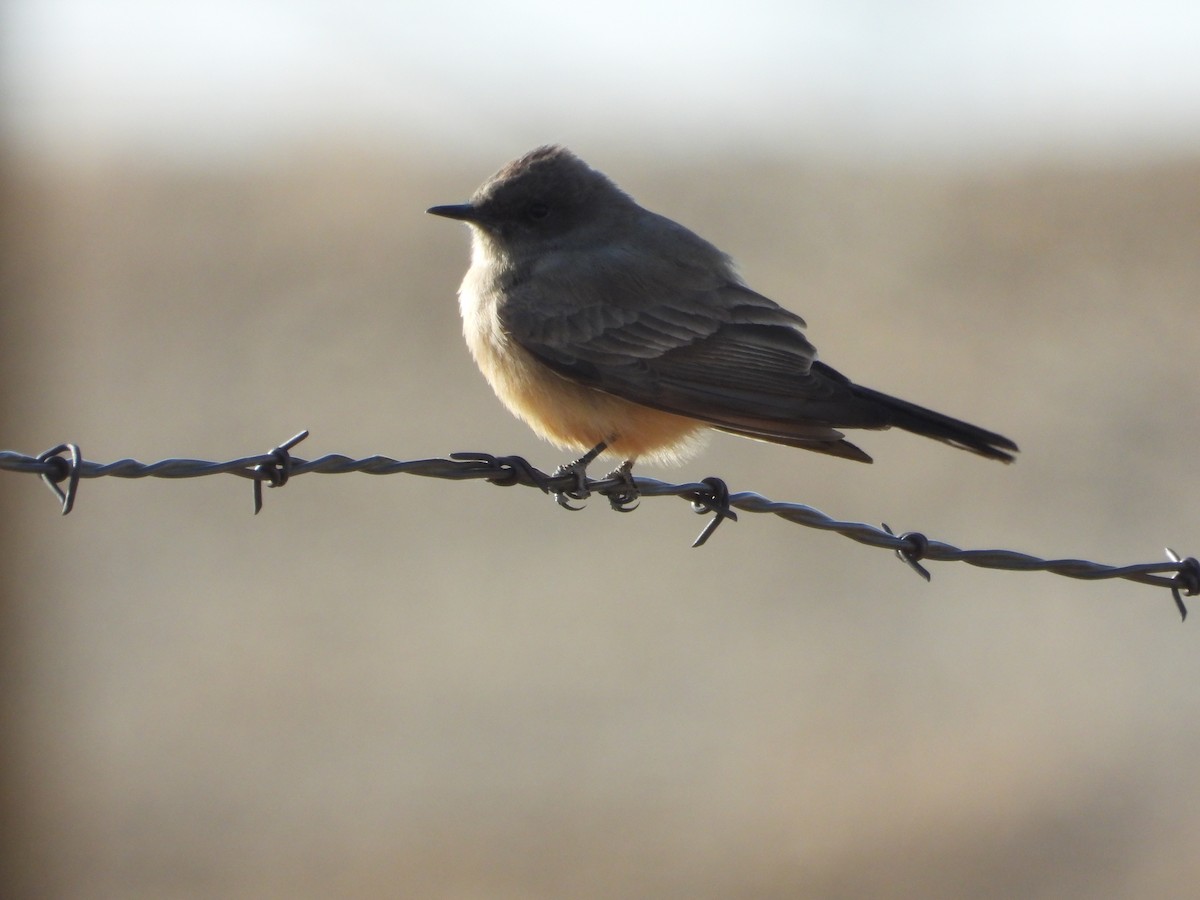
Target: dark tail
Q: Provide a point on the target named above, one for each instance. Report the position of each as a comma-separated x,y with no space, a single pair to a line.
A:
926,422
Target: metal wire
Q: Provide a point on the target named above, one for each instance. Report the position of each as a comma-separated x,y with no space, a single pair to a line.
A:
65,464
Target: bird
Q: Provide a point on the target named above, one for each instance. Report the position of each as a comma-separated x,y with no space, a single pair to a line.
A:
608,327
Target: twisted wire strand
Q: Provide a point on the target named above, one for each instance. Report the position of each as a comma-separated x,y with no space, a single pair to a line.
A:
65,463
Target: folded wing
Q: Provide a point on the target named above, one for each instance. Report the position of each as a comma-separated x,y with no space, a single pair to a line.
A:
724,355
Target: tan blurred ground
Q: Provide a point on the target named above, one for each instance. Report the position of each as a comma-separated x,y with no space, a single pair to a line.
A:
404,687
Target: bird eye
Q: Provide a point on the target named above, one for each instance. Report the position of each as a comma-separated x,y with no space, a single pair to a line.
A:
537,211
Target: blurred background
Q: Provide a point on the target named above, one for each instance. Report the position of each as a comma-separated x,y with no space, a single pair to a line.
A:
214,236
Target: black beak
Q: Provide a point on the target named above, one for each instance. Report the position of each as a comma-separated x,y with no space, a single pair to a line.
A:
464,212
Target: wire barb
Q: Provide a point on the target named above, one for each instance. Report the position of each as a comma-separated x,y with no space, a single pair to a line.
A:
276,472
916,545
1187,578
1180,576
60,469
716,501
508,470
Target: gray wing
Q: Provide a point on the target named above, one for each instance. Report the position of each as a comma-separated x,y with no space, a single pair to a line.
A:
722,354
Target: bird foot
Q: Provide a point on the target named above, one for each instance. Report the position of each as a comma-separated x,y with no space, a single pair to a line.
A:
577,469
625,497
578,492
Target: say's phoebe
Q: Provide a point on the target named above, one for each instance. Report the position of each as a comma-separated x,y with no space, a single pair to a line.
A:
606,326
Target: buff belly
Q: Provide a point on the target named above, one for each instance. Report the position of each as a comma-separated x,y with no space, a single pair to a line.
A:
576,417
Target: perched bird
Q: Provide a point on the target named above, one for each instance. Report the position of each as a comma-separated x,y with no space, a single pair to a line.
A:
605,326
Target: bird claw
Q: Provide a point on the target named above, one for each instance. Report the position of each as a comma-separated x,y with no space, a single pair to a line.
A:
578,469
579,491
625,498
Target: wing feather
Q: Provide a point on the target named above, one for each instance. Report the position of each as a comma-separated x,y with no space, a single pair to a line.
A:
726,355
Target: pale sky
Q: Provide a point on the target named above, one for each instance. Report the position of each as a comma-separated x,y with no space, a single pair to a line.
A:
864,78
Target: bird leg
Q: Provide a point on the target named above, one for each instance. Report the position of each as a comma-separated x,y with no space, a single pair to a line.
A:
625,499
579,470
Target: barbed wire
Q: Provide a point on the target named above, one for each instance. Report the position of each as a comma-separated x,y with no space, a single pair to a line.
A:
64,464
